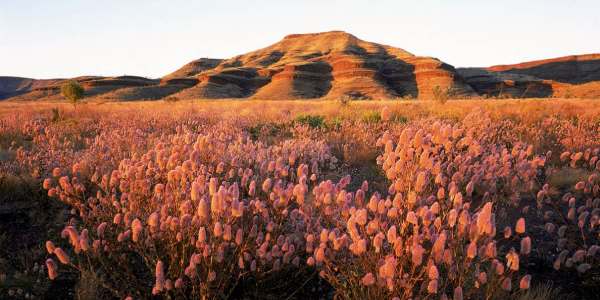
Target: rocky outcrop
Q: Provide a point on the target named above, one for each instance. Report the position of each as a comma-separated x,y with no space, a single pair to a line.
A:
106,85
327,65
332,65
152,92
15,86
226,83
32,89
499,84
569,76
195,67
574,69
308,80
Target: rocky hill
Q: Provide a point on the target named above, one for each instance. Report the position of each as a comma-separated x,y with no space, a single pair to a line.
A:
324,65
26,89
572,69
194,68
332,65
14,86
569,76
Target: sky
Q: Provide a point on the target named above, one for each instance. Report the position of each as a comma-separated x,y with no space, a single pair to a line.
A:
64,38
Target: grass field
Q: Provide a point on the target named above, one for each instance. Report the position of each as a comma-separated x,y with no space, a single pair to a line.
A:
229,199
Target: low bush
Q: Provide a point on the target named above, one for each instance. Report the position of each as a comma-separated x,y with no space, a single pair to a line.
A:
314,121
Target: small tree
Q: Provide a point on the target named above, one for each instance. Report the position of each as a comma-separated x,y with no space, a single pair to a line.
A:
73,91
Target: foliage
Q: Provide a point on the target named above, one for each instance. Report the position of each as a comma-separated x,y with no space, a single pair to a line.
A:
56,115
345,101
435,201
72,91
541,292
371,117
441,95
314,121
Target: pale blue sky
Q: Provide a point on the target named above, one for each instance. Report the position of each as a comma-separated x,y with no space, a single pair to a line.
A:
63,38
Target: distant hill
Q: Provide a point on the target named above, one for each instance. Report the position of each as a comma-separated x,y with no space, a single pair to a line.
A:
569,76
27,89
14,86
332,65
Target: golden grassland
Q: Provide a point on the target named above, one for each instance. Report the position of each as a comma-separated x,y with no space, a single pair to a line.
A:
277,109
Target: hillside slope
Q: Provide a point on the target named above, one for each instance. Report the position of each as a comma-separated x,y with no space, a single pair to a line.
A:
14,86
568,76
332,65
325,65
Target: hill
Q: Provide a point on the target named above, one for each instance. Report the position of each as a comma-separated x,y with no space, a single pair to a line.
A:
332,65
14,86
325,65
569,76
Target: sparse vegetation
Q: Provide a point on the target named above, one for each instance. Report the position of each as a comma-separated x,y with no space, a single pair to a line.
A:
72,91
314,121
441,95
55,115
371,117
171,99
345,100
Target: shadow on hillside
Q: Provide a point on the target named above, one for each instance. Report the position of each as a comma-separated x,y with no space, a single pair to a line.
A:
246,80
312,80
574,72
532,89
273,57
395,74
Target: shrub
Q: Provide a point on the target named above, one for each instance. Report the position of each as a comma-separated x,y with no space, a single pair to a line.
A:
371,117
441,95
572,213
386,114
435,233
72,91
314,121
171,99
392,116
267,131
198,222
335,123
56,117
345,100
541,292
397,118
481,181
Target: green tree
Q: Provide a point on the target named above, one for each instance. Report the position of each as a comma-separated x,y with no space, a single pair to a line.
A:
73,91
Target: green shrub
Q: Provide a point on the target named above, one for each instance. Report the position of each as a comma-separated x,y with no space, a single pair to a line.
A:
396,118
370,117
314,121
72,91
335,122
266,130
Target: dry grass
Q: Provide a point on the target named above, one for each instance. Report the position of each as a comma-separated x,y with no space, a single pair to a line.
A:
526,109
159,173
